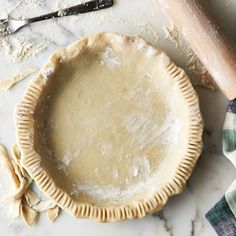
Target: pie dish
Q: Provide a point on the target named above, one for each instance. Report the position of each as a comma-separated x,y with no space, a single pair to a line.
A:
110,128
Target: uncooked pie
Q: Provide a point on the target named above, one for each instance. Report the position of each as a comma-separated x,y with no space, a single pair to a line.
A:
110,128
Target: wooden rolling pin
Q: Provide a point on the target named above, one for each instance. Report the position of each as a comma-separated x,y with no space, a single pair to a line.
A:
206,39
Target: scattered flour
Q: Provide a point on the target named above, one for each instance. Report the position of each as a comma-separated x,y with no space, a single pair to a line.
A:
61,13
194,65
150,51
109,59
141,45
146,130
139,170
118,39
32,2
6,46
148,28
20,49
110,193
4,14
63,162
61,5
63,58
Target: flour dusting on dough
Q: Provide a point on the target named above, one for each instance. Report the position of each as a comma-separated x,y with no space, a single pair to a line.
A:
115,174
111,193
67,158
119,39
106,148
146,131
141,169
135,171
126,116
140,44
109,59
97,172
46,72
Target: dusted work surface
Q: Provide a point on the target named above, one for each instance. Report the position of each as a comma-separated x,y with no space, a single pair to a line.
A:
183,214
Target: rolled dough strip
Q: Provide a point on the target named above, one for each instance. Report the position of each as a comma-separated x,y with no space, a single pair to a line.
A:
19,168
9,166
29,215
206,39
31,198
9,83
24,185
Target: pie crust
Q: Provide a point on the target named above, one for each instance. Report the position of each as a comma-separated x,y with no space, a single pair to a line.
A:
110,128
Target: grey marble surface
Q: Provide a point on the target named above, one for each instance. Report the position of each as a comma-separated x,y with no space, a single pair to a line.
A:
184,214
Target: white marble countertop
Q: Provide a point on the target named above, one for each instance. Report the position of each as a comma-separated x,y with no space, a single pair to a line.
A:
184,214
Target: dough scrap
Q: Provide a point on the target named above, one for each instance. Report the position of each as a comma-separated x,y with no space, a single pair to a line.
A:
31,198
24,185
44,205
9,83
16,156
24,202
29,215
23,177
5,158
53,213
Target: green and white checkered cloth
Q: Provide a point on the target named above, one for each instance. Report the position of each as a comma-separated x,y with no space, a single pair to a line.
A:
223,215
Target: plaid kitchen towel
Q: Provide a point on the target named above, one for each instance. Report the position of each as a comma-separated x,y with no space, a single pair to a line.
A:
223,215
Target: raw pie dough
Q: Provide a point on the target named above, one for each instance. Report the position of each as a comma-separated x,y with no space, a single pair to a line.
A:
22,201
16,78
112,121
